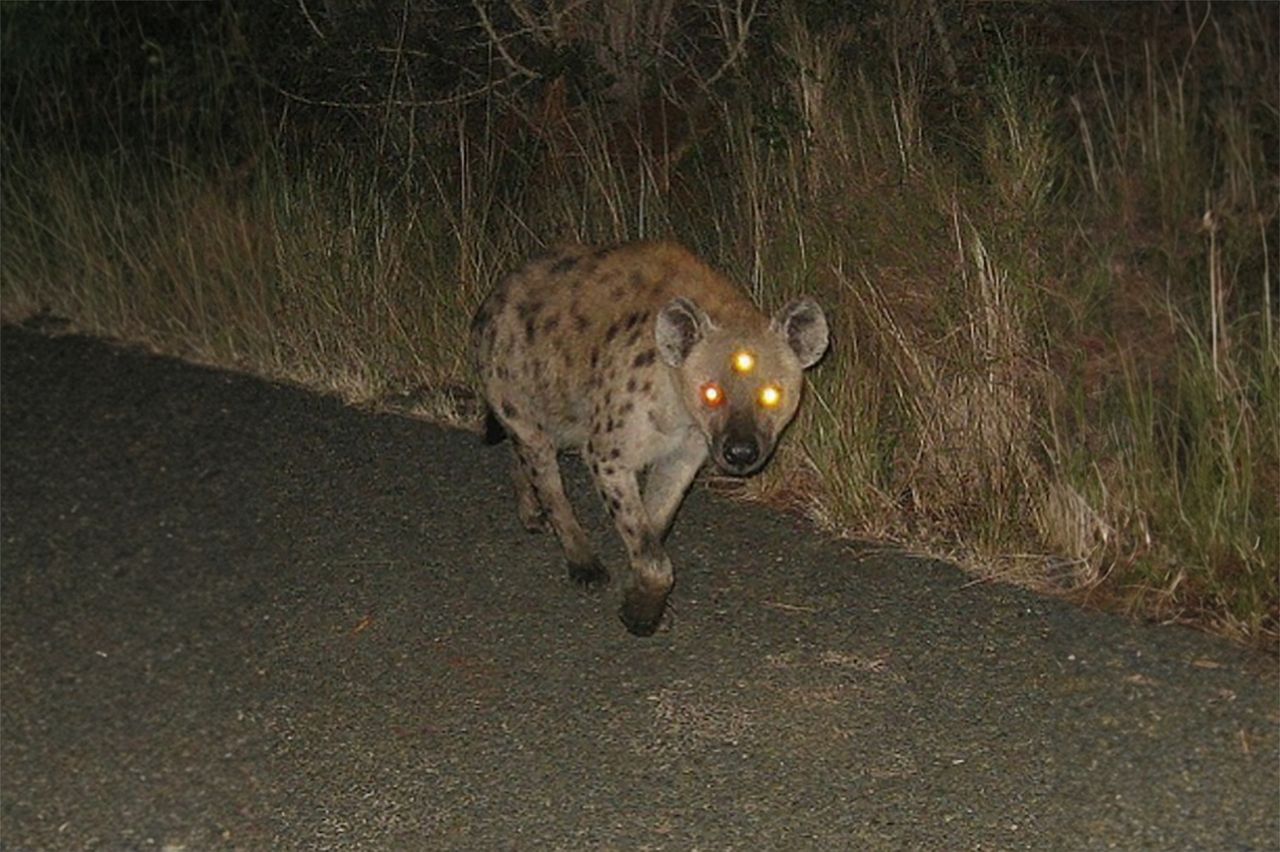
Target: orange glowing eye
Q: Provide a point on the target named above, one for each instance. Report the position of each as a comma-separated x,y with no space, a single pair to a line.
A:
770,396
744,362
712,395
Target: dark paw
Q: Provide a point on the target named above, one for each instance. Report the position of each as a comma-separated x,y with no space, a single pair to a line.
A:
590,575
642,613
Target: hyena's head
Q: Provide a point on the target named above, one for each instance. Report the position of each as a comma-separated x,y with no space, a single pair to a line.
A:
741,388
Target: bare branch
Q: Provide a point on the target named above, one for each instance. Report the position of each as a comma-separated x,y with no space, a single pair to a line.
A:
497,42
735,29
456,98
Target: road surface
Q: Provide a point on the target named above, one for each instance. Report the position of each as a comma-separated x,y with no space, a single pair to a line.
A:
237,615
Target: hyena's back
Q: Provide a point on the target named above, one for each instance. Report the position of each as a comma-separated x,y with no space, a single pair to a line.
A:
561,331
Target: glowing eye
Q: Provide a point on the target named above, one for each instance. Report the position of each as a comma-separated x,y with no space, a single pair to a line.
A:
770,396
744,362
711,394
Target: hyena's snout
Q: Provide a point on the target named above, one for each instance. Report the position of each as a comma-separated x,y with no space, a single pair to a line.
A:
741,455
743,447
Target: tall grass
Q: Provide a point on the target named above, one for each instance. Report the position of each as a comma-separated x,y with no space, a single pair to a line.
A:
1055,352
308,276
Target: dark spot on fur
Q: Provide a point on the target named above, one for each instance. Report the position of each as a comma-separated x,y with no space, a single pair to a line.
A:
633,319
646,387
595,358
528,330
631,385
614,453
645,358
581,323
563,265
625,408
610,426
551,324
611,332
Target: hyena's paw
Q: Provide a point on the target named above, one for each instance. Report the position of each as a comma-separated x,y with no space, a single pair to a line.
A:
641,611
591,575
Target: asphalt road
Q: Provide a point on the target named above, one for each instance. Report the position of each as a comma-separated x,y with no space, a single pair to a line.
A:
237,615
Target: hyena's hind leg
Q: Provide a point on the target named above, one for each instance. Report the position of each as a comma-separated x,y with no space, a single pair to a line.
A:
541,497
529,507
532,514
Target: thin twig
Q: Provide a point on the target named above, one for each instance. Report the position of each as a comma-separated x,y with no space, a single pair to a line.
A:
302,4
460,97
786,607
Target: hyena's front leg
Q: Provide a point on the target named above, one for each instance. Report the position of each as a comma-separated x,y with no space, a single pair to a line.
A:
669,478
645,595
539,488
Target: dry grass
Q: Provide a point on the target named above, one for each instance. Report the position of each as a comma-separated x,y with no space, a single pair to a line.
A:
1055,356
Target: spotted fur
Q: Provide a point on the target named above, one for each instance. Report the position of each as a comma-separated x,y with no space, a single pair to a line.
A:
608,352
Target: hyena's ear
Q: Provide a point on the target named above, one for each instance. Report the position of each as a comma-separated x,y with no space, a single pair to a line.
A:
680,325
803,325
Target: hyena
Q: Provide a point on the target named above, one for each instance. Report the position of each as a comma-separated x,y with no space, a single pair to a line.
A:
645,361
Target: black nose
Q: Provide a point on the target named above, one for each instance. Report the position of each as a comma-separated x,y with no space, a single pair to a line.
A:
741,453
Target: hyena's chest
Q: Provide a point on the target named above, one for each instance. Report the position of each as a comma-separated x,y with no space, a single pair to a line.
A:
607,383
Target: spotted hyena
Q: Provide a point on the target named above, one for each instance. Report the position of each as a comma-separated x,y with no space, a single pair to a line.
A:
647,362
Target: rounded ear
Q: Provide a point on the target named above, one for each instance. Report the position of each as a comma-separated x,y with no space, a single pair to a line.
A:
681,324
803,325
